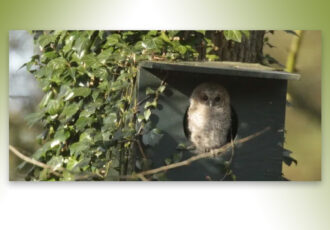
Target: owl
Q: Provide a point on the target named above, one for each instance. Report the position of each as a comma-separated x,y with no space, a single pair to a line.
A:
209,116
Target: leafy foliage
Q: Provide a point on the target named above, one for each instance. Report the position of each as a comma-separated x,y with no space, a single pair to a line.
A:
89,112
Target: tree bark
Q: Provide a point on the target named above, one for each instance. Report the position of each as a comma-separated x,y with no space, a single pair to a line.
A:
248,50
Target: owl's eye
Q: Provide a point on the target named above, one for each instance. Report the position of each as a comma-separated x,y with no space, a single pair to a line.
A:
217,99
204,98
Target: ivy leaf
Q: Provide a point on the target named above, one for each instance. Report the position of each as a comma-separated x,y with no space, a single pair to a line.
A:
234,35
82,122
45,99
212,57
110,121
48,56
201,31
147,114
70,110
45,39
101,73
91,61
41,152
81,45
165,37
72,163
58,64
152,138
53,107
78,148
246,33
168,161
33,118
56,162
140,118
149,104
161,88
177,157
81,92
112,40
61,135
150,91
287,158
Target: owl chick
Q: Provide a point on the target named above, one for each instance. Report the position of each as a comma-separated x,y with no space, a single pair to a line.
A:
209,116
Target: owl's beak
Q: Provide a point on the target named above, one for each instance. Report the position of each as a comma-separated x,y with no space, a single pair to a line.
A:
210,103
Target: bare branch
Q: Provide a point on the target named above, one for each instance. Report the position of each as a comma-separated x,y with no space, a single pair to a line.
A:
33,161
213,153
45,166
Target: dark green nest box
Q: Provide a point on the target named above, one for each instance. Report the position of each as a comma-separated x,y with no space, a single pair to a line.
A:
258,100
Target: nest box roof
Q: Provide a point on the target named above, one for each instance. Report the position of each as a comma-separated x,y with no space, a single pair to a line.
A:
224,68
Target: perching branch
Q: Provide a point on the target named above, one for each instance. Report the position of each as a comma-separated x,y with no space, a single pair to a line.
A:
213,153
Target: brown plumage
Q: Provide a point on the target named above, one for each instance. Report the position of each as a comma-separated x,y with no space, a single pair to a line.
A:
209,116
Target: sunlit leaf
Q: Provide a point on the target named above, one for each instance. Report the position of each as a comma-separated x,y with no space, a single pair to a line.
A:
234,35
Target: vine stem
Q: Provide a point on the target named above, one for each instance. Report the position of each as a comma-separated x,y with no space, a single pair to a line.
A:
213,153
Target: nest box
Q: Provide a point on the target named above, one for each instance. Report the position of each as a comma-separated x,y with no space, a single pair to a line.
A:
258,100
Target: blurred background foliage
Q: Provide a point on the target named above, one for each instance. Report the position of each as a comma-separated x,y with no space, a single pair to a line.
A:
303,115
83,76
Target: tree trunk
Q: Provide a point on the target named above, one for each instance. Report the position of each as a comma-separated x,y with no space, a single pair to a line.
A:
249,50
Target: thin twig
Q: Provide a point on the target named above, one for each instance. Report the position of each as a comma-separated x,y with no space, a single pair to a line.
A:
33,161
143,100
141,149
216,152
45,166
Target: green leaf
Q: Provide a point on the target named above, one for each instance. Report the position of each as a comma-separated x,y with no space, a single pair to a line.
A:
41,152
45,39
101,73
152,138
110,119
67,176
48,56
82,122
70,110
61,135
147,114
81,45
105,55
53,107
150,91
168,161
112,40
91,61
149,104
45,99
71,165
161,88
78,148
202,32
140,118
56,162
81,92
58,63
234,35
246,33
212,57
165,37
33,118
177,157
182,49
